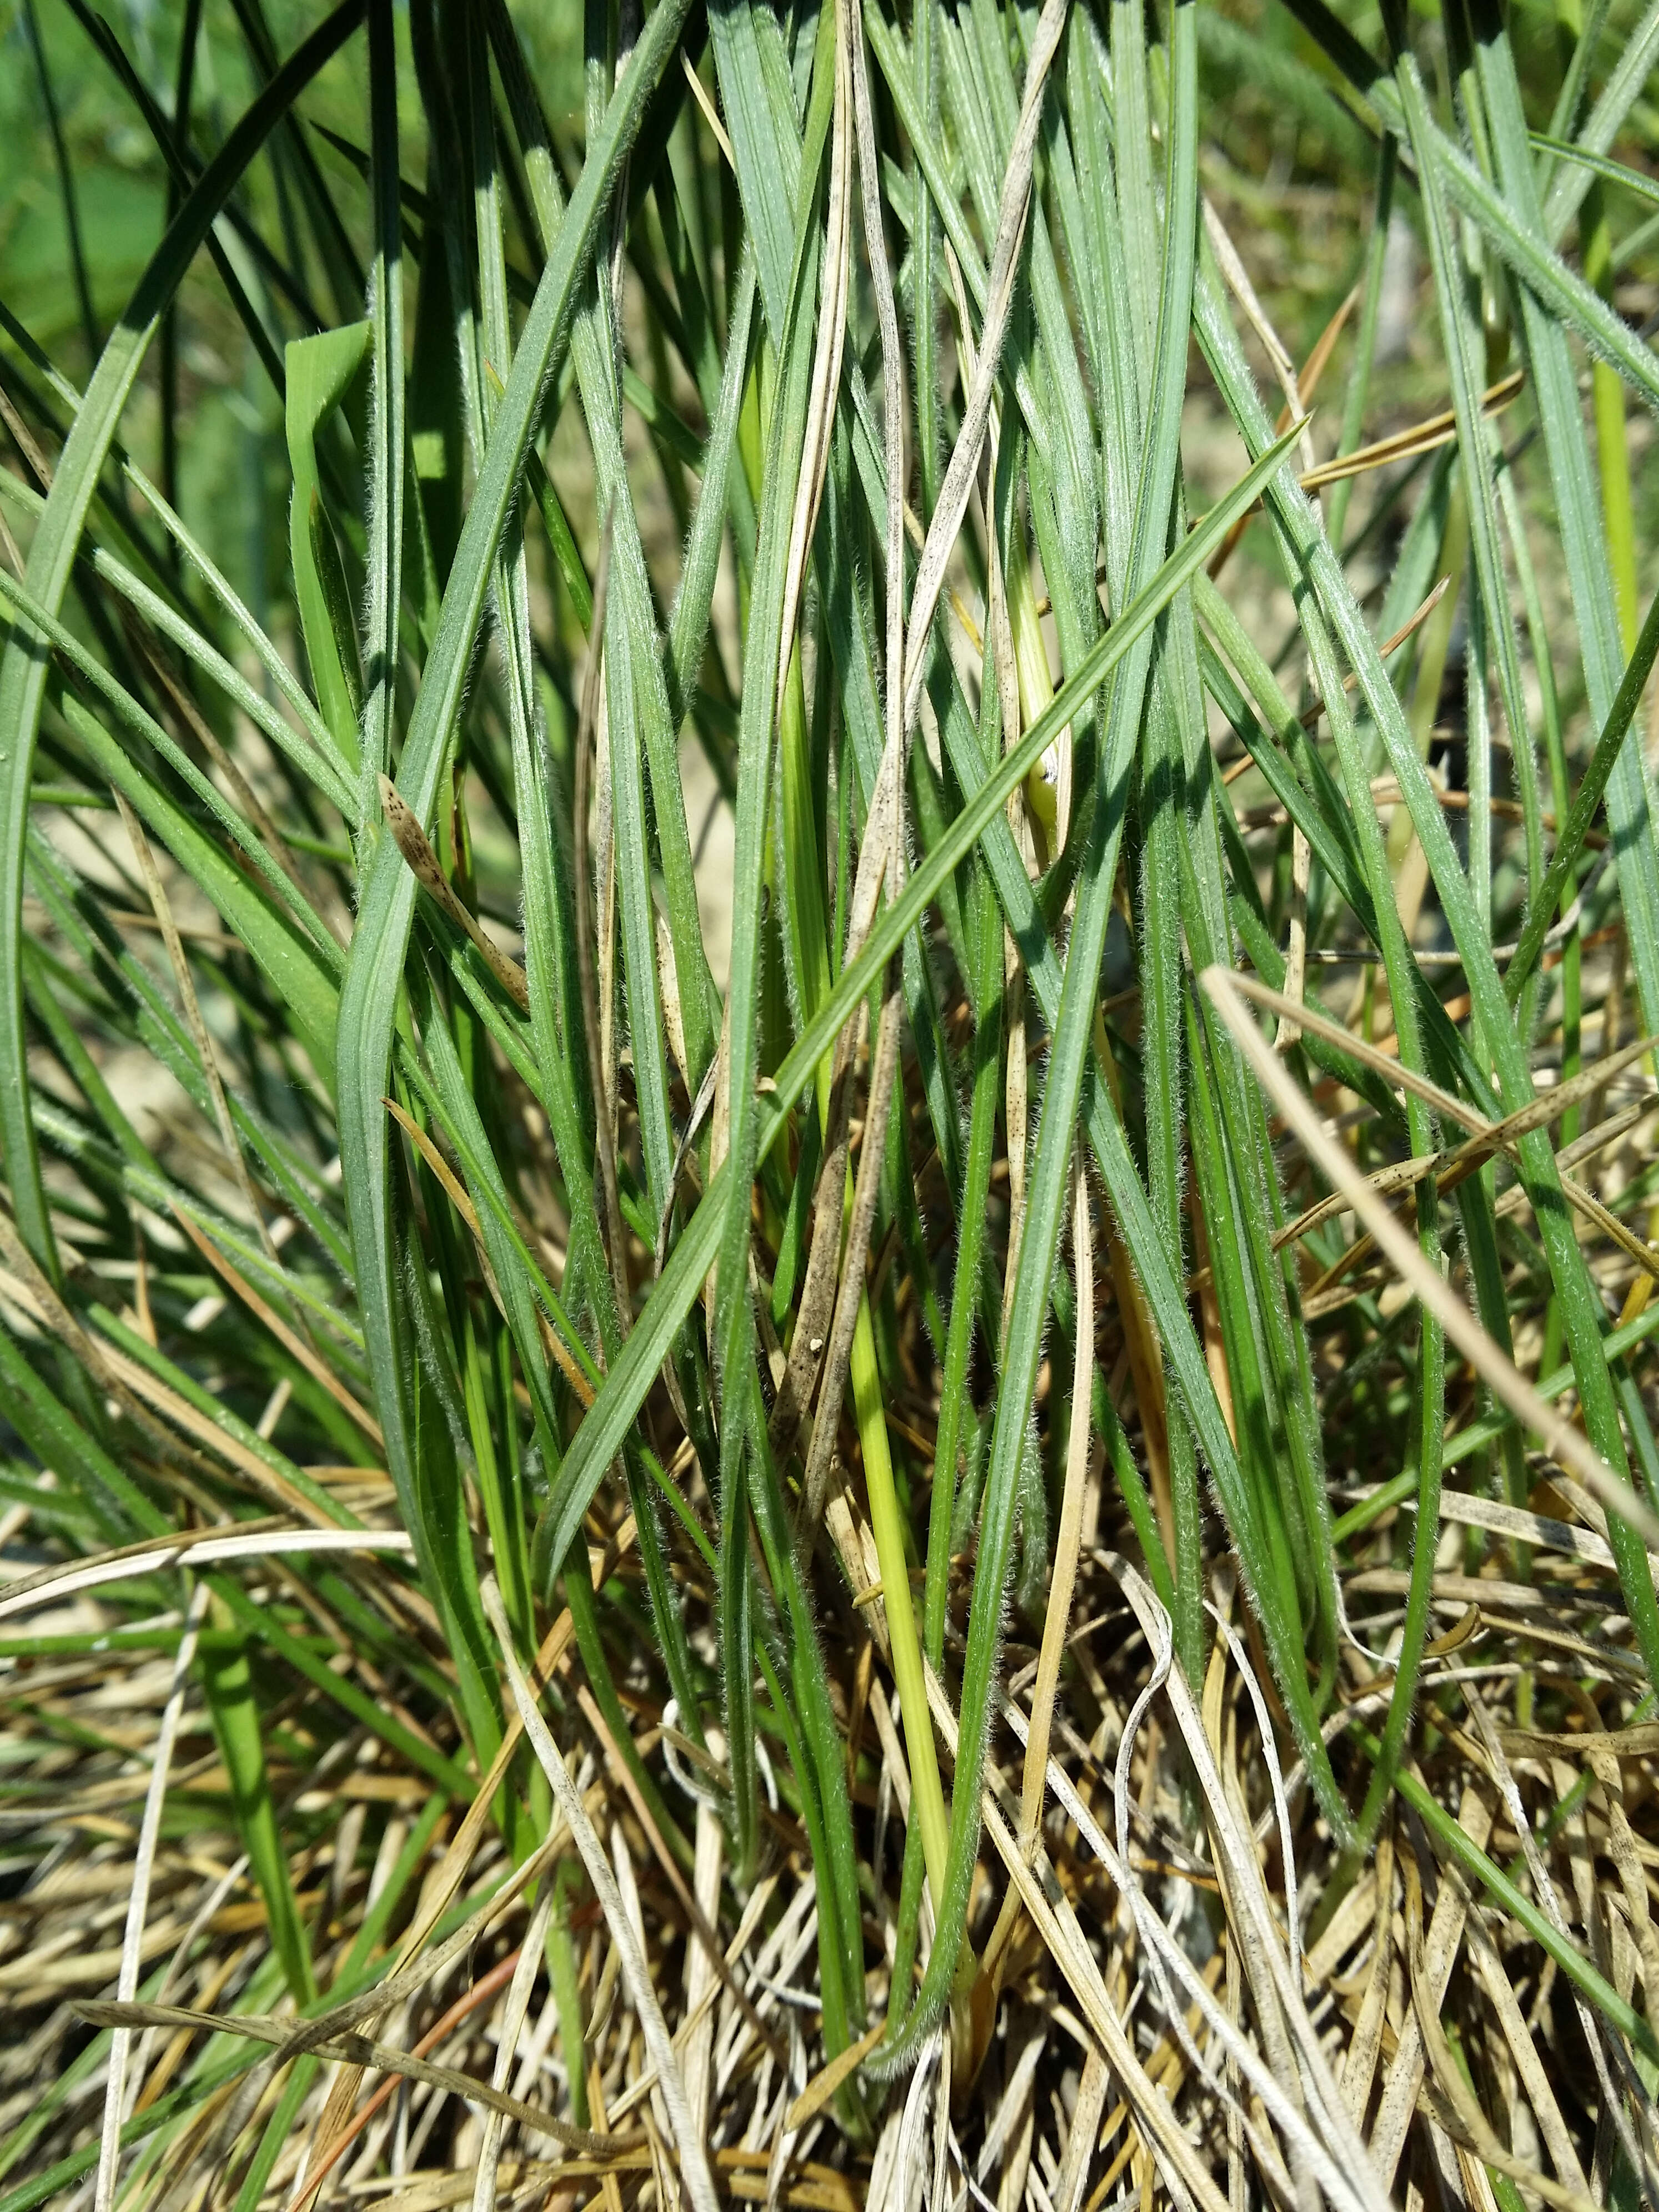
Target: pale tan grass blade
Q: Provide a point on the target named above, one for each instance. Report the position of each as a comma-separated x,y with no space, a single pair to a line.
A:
1523,2052
596,1001
1359,2065
162,908
424,866
144,1863
1012,209
1469,2123
486,2181
1604,2049
872,1154
1561,1439
380,2057
829,345
693,2155
51,1585
1238,281
314,1364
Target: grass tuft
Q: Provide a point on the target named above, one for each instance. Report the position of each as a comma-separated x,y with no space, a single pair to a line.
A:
826,1088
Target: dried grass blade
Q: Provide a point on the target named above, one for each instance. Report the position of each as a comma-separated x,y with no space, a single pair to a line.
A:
1469,2123
308,1356
485,2185
144,1863
871,1159
828,347
693,2153
595,1007
1435,430
412,842
199,1548
1012,212
1560,1438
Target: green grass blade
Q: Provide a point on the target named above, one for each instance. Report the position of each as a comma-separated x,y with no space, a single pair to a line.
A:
608,1419
386,433
1612,173
320,371
305,983
1582,532
228,1679
370,995
51,557
143,725
1312,553
1069,1056
1609,744
1603,125
182,632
